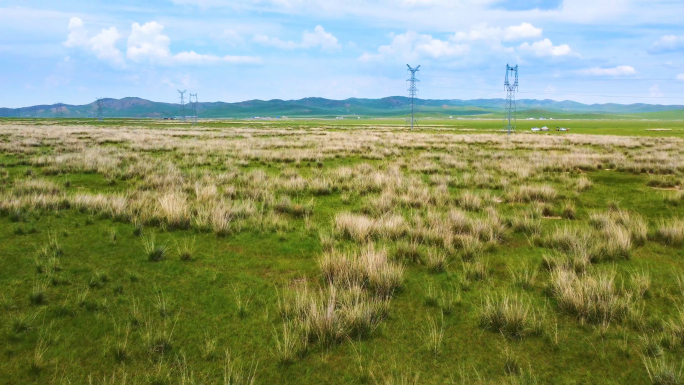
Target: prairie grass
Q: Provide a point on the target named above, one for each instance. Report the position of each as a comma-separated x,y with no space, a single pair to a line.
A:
507,314
153,250
593,297
663,372
433,335
378,208
671,233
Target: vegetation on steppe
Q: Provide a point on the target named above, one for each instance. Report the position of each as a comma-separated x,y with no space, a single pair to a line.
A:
311,252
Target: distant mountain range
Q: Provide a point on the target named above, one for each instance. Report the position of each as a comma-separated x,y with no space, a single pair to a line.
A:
393,106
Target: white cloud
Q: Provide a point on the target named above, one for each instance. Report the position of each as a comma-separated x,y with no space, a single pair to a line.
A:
668,43
522,31
77,34
275,42
147,42
192,57
412,46
317,38
680,77
545,48
102,45
655,91
615,71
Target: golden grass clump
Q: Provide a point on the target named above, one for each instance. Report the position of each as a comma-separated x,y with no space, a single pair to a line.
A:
593,296
672,232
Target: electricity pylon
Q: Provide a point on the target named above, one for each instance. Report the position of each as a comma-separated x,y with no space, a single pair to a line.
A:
182,103
413,91
510,97
194,109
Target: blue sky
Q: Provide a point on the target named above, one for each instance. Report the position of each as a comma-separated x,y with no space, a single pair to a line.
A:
593,51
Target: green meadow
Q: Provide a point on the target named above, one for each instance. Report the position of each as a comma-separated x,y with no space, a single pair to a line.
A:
351,251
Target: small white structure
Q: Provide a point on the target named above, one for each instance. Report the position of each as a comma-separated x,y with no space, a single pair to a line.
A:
535,129
563,129
545,128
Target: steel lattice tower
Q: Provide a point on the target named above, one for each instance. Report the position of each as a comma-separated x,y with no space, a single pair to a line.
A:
194,108
413,91
511,89
100,114
182,103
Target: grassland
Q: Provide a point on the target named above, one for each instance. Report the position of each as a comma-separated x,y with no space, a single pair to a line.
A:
308,252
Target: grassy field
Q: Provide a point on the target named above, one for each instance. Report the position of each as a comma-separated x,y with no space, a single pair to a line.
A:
346,252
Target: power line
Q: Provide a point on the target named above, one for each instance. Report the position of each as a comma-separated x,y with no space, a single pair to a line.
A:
567,78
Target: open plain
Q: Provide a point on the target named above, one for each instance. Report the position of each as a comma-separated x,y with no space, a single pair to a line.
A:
310,252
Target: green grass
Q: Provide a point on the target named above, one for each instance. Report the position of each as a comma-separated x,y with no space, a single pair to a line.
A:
113,307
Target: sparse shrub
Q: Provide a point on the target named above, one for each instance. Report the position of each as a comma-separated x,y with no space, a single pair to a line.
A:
241,304
408,251
476,271
569,210
470,201
507,314
448,300
290,345
471,248
663,372
154,251
38,294
511,365
671,233
524,276
592,297
436,262
433,335
431,295
186,249
583,183
641,283
526,193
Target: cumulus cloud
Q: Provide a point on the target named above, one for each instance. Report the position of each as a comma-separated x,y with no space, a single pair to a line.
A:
412,46
680,77
615,71
319,38
668,43
545,48
102,45
146,44
315,39
522,31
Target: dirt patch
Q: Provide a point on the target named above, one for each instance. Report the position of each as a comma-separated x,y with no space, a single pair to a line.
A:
658,129
552,217
666,188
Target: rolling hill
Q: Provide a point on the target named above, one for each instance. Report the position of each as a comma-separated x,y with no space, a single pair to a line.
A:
393,106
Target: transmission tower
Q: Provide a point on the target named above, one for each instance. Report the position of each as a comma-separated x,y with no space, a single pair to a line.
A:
100,113
510,97
194,108
182,104
413,92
